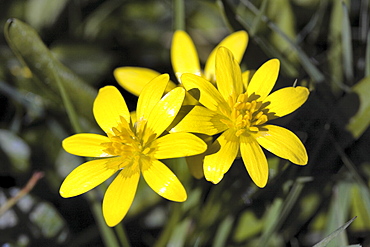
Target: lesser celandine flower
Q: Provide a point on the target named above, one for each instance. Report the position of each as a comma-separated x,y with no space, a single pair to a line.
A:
184,56
241,112
184,59
131,148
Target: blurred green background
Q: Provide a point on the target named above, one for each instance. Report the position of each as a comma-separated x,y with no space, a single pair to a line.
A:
323,44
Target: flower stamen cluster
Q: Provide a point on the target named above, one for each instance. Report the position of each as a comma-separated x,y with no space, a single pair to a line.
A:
247,114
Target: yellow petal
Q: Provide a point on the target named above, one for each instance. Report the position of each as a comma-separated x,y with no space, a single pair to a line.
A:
204,91
178,145
229,77
88,145
184,56
88,175
264,79
286,100
226,147
165,111
195,165
246,77
254,160
162,180
283,143
236,42
109,106
201,120
151,94
133,79
120,194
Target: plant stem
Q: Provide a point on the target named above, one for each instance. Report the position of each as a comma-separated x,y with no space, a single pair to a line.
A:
170,226
122,236
179,14
107,233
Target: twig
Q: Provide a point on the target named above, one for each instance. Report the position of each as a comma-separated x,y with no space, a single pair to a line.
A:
26,189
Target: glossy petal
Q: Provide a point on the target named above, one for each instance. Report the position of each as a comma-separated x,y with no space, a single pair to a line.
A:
165,111
286,100
119,195
264,79
184,56
108,107
254,160
236,42
88,175
229,77
133,79
162,180
226,147
201,120
88,145
283,143
178,145
208,94
151,94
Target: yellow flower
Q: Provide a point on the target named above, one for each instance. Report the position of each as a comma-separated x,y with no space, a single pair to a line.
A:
131,148
184,58
240,112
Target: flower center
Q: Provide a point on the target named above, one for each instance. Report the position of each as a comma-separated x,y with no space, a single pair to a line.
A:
247,114
130,141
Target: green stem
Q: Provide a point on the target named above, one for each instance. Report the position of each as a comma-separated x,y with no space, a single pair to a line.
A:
72,115
170,226
179,14
122,236
107,233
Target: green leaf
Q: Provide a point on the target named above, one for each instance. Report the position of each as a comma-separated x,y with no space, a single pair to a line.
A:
361,120
16,149
28,47
178,236
347,44
223,232
326,240
338,211
42,13
367,57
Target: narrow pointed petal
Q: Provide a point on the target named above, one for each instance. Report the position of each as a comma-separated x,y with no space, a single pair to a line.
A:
201,120
226,148
286,100
204,91
150,95
162,180
119,195
264,79
178,145
283,143
88,175
236,42
108,107
133,79
88,145
229,77
165,111
254,160
184,56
